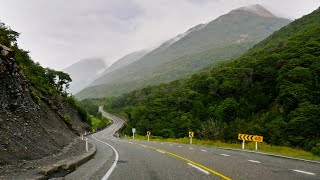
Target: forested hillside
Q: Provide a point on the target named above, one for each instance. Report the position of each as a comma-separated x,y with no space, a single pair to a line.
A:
273,90
224,38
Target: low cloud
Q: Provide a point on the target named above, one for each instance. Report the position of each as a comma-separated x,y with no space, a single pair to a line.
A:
59,33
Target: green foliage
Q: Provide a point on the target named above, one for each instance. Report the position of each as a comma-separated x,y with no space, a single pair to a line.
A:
44,81
97,121
7,36
273,90
227,37
67,118
35,95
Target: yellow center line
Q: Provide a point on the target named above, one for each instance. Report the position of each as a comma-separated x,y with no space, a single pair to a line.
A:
189,161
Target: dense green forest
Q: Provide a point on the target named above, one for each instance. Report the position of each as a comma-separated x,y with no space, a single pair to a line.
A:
273,90
227,37
46,81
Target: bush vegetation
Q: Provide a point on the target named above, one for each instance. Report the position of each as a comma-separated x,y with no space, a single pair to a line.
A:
273,90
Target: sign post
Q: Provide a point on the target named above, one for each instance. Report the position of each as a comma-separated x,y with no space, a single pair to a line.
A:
87,148
148,134
247,137
133,131
243,141
191,134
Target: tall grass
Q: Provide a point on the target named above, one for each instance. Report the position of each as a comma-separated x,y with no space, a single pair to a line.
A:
262,147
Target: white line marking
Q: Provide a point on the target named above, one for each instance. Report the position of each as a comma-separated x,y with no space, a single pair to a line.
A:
143,145
204,150
254,161
225,155
106,176
200,169
170,144
179,146
160,151
130,142
190,148
304,172
161,143
154,142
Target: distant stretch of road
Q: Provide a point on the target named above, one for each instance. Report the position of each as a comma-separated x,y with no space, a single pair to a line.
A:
131,159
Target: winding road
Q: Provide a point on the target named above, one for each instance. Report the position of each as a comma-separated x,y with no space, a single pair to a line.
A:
132,159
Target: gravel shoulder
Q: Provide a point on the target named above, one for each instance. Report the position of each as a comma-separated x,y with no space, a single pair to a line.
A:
56,165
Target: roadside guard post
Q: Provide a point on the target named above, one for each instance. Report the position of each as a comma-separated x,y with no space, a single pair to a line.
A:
247,137
133,131
148,134
191,134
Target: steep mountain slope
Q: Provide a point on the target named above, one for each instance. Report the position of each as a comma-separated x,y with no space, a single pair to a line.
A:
84,72
36,120
273,90
128,59
225,38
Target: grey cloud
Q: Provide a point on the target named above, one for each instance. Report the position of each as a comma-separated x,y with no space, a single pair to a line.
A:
59,33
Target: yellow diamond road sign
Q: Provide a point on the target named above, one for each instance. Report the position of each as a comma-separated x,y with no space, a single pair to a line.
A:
191,134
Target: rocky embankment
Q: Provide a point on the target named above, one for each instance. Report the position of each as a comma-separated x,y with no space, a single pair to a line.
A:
31,128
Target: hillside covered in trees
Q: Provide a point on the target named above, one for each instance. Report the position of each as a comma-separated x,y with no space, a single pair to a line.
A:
273,90
225,38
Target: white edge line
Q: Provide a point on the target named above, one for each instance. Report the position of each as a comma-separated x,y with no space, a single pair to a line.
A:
204,150
304,172
254,161
190,148
160,151
179,146
225,155
268,154
200,169
106,176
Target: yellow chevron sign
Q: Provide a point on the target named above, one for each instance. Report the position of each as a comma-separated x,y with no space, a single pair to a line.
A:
148,133
191,134
248,137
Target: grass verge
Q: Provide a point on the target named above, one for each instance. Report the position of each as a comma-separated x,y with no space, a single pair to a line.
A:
262,147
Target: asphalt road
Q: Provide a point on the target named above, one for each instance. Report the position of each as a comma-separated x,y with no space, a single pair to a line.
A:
131,159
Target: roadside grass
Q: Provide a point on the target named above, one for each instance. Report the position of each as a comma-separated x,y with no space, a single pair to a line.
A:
262,147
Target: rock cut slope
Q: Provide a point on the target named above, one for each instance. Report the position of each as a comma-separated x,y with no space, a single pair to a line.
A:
32,122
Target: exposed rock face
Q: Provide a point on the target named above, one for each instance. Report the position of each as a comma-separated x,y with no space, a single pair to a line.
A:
31,129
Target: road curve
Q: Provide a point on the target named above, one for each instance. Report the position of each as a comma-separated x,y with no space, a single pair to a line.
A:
131,159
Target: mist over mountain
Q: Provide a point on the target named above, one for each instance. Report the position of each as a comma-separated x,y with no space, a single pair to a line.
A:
127,59
224,38
84,72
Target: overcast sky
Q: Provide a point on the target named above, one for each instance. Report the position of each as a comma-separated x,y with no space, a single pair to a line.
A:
61,32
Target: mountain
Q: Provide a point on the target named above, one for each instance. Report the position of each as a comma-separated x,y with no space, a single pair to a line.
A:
272,90
227,37
128,59
37,118
84,72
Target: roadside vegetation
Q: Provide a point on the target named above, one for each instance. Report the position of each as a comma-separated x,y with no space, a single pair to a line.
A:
262,147
46,82
273,91
97,120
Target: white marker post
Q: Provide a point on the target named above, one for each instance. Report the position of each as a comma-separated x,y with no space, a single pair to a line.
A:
82,137
87,148
243,144
256,146
85,133
133,131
